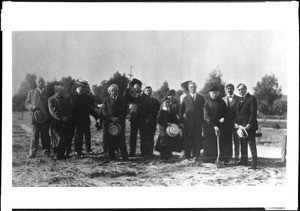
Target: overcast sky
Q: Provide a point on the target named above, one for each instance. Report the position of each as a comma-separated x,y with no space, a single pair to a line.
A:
156,56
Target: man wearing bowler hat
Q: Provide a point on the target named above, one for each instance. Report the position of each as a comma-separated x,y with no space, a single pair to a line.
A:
37,104
232,101
139,115
246,118
82,107
114,111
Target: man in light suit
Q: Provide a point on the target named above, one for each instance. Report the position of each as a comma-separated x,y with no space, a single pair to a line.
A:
246,118
37,101
191,114
232,101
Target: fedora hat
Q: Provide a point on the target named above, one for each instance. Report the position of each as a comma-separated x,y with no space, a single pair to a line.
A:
172,130
114,129
242,133
82,82
38,116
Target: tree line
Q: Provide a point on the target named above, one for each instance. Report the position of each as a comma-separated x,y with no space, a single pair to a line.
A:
267,91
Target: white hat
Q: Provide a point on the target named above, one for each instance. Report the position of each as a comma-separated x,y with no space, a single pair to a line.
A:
242,133
114,129
172,130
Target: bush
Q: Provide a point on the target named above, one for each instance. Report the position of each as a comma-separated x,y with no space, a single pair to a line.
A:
276,126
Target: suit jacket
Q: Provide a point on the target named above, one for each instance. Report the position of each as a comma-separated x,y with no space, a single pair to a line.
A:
232,108
82,107
154,108
59,107
193,111
114,108
40,100
143,106
247,112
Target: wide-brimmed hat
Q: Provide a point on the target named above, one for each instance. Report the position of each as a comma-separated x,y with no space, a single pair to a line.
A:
114,129
242,133
135,81
172,130
213,87
38,116
82,82
171,92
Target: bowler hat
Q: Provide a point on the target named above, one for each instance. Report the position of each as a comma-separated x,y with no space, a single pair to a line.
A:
82,82
38,116
172,130
242,133
114,129
135,81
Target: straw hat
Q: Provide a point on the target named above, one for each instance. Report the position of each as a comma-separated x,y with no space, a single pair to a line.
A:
114,129
172,130
38,116
242,133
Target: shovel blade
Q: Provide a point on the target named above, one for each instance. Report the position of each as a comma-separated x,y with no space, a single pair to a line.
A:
220,164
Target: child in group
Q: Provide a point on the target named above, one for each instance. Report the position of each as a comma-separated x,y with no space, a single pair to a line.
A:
166,144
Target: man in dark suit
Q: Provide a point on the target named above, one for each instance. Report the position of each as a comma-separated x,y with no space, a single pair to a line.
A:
154,108
82,107
139,115
191,113
59,108
114,111
246,118
232,101
37,101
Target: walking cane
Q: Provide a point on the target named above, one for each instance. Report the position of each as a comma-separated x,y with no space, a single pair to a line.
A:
219,164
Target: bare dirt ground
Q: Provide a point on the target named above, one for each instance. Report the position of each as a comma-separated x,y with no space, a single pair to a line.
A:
96,171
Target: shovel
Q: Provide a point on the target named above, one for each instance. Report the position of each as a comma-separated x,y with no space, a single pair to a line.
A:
219,164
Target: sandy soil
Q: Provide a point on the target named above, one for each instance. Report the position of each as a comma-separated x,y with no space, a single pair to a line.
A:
96,171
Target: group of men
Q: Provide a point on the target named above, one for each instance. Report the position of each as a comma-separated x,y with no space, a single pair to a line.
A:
69,119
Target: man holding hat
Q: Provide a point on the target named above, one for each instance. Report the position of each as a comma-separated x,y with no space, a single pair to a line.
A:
139,115
232,101
114,111
191,114
37,104
59,108
246,118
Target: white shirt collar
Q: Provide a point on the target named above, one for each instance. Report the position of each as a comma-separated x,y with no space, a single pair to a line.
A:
231,95
40,90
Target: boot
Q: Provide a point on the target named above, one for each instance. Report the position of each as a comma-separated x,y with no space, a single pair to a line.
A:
243,161
254,163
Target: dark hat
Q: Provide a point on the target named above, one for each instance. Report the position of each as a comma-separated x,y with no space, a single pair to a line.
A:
114,129
82,82
38,116
172,130
135,81
148,87
213,87
185,85
171,92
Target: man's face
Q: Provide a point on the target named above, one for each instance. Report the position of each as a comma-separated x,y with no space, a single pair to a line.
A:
214,94
113,91
242,90
137,88
229,90
148,91
40,83
60,91
167,103
192,88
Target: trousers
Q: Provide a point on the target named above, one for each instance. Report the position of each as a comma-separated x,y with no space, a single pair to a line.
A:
37,130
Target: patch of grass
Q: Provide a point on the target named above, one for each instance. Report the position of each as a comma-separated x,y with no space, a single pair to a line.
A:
268,124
